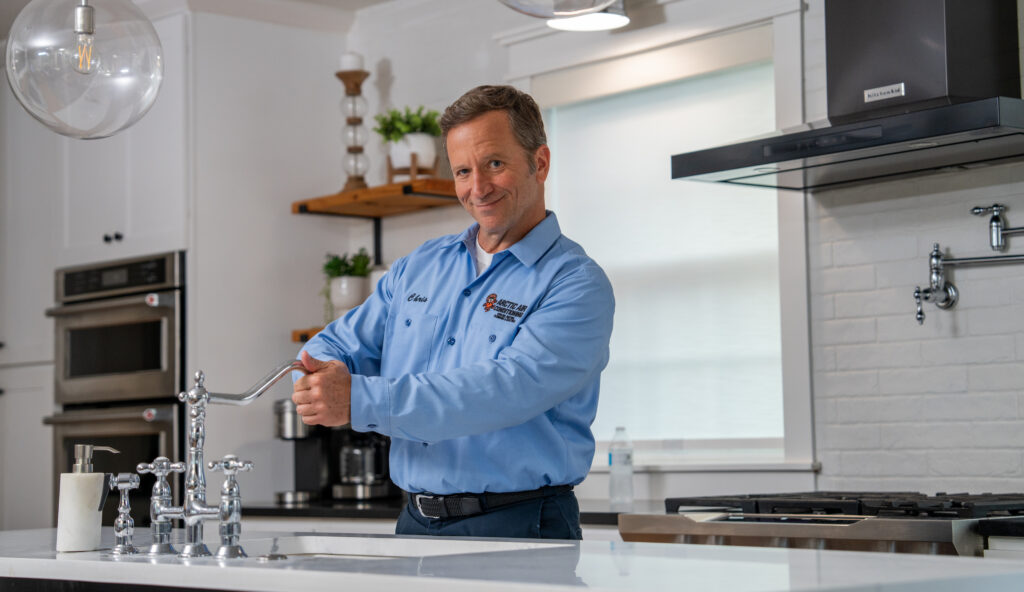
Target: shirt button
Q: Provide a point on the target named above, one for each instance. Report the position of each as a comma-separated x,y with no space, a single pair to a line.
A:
467,292
424,443
451,341
491,338
371,425
408,322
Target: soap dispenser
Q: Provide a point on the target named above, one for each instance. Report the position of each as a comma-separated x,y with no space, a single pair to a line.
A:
80,504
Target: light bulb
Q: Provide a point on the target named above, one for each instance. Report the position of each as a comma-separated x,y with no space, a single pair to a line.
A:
85,69
85,28
82,60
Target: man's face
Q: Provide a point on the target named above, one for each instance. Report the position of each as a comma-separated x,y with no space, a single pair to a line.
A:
493,179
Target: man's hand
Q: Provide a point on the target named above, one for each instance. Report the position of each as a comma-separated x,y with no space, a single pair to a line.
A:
324,396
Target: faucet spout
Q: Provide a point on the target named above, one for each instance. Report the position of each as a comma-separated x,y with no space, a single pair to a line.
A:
195,510
261,386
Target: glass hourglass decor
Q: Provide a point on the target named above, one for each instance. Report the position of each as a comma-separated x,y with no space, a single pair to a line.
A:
354,134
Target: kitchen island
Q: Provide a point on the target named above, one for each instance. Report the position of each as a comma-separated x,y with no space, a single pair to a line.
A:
330,562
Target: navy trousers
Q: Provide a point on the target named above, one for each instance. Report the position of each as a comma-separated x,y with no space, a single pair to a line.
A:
552,517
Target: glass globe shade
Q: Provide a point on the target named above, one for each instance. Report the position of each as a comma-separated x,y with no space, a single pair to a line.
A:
354,106
44,68
356,164
556,8
355,135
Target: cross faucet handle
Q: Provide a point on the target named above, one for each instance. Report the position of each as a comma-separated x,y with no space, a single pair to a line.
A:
161,467
992,209
230,465
124,526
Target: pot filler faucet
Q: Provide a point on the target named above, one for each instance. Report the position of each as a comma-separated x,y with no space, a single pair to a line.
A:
194,510
940,290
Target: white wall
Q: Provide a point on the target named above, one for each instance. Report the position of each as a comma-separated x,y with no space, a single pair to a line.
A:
267,132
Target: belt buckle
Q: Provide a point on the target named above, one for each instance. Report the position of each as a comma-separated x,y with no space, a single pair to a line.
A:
419,504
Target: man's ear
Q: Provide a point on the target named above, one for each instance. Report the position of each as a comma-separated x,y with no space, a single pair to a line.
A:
542,158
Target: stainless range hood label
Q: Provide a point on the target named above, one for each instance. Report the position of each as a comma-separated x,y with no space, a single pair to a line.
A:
884,92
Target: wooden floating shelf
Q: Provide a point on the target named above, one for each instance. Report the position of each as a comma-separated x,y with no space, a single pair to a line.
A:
383,200
304,335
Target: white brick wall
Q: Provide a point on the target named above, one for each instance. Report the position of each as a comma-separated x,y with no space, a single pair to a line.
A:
898,405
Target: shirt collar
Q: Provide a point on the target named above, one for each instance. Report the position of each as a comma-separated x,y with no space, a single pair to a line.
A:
528,250
532,247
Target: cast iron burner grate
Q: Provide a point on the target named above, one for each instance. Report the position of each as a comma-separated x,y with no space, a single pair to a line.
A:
889,504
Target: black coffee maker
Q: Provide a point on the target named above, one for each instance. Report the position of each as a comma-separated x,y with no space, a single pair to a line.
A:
334,463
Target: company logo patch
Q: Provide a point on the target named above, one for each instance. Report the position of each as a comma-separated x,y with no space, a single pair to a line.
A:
505,310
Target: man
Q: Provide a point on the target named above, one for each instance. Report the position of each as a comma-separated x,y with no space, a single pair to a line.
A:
479,354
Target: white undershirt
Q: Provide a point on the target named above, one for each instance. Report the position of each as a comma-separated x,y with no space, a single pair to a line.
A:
481,257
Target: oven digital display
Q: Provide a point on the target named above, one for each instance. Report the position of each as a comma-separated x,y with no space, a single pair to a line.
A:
114,349
113,278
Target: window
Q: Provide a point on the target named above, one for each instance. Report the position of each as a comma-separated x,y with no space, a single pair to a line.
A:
696,348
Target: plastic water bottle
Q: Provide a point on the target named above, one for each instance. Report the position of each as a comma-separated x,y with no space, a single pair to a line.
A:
620,467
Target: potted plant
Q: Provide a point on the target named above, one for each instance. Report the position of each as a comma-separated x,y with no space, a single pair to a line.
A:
410,132
348,280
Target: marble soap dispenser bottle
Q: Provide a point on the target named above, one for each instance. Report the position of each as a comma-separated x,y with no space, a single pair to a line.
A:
80,504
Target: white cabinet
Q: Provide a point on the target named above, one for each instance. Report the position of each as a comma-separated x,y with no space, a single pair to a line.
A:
30,189
127,195
26,447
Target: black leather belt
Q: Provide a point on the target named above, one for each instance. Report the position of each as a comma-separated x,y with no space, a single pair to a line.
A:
461,505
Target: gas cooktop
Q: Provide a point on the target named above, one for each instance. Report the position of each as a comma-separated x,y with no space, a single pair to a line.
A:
889,504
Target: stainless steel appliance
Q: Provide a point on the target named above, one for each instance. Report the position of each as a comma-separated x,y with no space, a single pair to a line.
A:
118,330
901,522
119,346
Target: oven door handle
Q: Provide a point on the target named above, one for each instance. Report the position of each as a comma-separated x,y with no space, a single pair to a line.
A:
152,299
150,415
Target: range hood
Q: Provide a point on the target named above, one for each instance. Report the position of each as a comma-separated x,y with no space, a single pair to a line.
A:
963,135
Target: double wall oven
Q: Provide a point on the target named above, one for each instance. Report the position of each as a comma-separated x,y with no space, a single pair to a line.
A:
119,355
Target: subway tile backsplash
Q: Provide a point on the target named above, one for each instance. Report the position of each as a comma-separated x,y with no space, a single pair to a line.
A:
938,407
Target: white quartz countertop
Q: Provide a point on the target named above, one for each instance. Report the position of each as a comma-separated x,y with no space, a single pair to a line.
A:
332,562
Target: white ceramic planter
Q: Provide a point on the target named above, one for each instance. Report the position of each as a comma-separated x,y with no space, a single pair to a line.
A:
422,144
348,292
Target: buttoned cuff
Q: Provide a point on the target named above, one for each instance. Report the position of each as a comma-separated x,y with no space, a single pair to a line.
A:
371,404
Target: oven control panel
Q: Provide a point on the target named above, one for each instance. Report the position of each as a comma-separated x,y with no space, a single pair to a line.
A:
119,277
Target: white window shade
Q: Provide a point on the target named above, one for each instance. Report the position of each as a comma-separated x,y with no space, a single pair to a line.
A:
695,353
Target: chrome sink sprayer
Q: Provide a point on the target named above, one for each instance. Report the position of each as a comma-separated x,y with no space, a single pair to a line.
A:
195,510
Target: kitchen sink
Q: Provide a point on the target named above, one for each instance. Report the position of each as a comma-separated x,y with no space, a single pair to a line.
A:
383,547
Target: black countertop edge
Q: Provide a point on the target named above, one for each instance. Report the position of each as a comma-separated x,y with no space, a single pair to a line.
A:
1011,527
592,512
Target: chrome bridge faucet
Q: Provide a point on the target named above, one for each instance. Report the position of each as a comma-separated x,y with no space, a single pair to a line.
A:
195,510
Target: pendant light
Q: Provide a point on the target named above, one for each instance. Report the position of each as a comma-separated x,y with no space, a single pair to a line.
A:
556,8
84,68
612,17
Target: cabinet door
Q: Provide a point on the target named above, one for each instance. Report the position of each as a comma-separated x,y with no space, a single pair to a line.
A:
157,155
126,195
31,185
26,447
94,199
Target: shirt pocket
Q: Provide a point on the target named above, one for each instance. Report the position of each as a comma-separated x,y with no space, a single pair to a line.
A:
487,338
412,341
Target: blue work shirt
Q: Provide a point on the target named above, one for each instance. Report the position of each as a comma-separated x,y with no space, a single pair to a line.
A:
485,383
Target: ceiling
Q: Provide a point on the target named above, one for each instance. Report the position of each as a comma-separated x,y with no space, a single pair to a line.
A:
10,9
